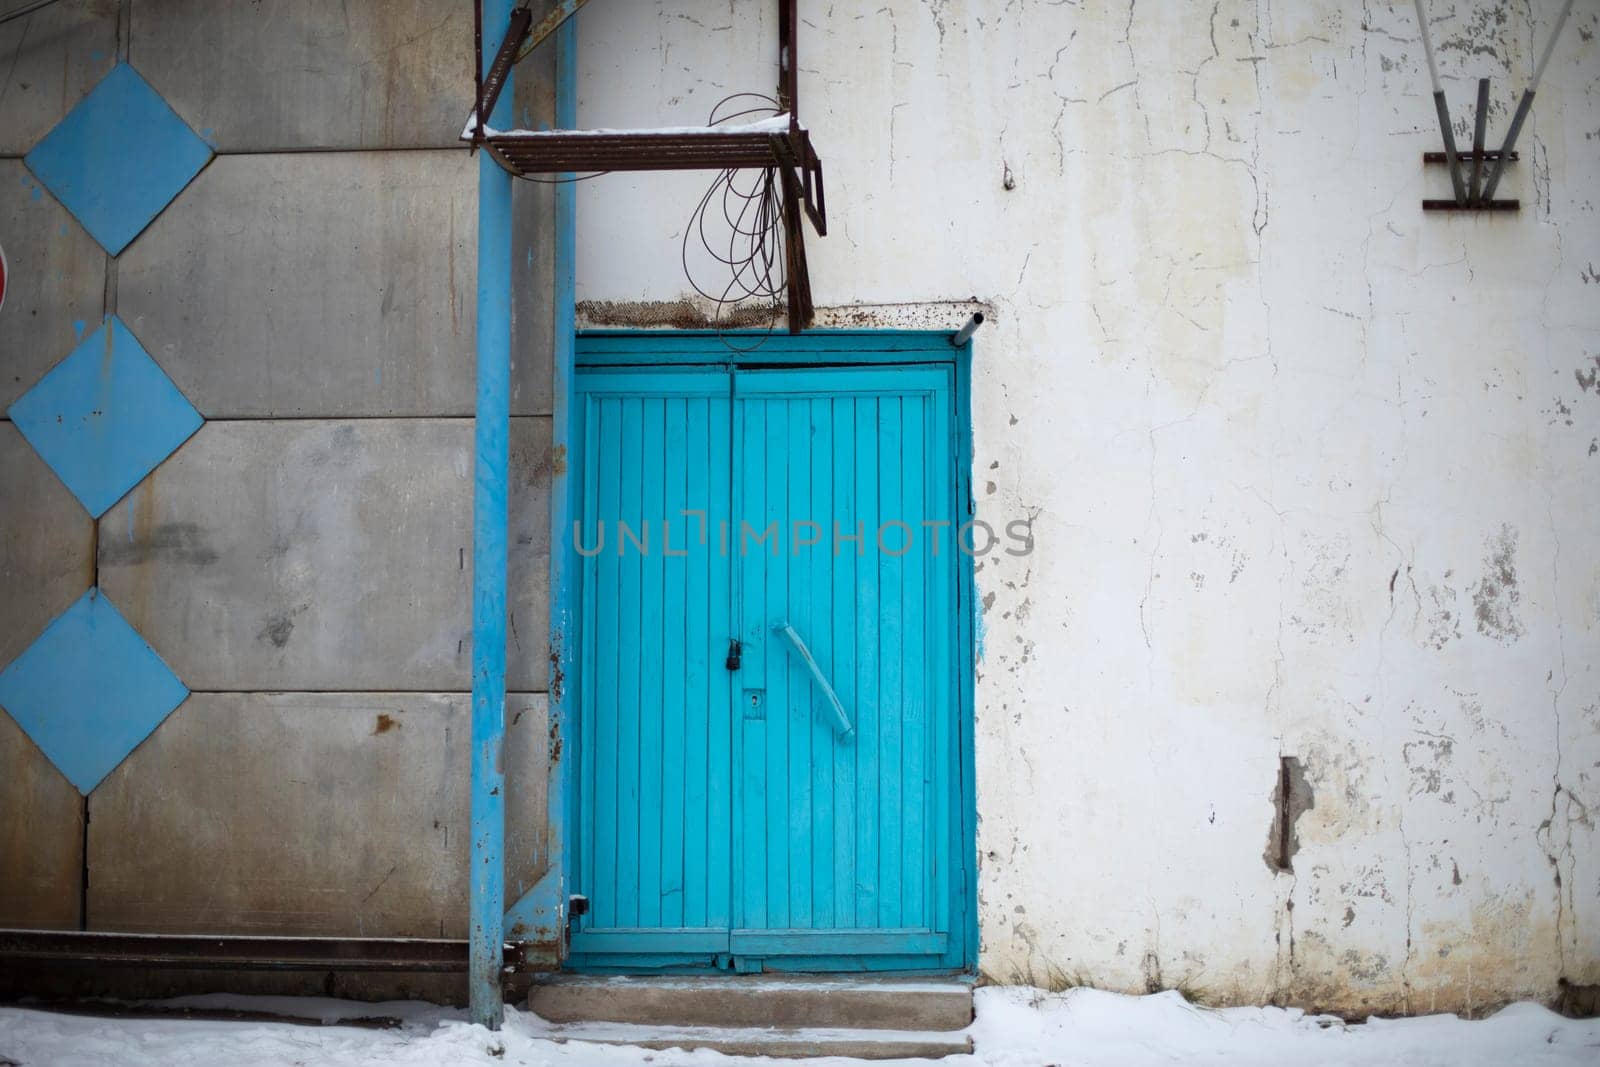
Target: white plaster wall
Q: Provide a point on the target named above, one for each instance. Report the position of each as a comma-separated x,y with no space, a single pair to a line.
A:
1313,474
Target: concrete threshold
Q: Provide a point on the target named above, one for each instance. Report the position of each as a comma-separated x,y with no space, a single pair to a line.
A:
811,1003
805,1043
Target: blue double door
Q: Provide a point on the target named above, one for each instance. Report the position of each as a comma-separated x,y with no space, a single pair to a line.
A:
768,745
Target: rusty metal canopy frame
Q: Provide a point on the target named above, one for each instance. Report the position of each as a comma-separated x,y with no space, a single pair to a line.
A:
781,147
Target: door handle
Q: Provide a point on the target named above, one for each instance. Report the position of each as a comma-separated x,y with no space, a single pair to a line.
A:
841,721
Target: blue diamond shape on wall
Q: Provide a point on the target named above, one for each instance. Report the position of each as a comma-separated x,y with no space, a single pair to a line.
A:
118,158
104,417
89,690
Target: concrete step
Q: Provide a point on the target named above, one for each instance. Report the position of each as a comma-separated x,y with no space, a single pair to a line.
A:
763,1002
868,1044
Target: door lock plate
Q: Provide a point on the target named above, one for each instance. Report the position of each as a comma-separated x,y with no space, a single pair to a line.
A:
755,703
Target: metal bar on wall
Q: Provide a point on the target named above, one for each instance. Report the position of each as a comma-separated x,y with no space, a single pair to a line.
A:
25,948
1479,125
489,540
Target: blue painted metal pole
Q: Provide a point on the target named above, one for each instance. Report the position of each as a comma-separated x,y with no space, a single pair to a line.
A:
489,525
563,567
538,917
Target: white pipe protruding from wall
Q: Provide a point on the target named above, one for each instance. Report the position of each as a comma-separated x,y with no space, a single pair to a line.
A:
1549,48
1457,182
1427,47
1524,104
963,335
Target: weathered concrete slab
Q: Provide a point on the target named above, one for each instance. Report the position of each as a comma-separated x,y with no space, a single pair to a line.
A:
56,288
295,555
41,837
845,1003
319,284
339,814
53,56
295,74
46,545
806,1044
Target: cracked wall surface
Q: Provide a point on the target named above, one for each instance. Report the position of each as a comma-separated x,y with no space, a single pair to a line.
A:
1313,474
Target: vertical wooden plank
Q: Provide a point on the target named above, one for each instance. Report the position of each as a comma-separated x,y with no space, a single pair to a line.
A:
675,656
918,661
629,664
775,605
942,496
802,714
891,615
845,511
867,672
721,714
964,669
750,814
819,620
602,889
653,696
697,666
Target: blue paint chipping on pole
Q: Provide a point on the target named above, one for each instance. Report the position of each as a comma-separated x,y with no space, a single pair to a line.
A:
489,537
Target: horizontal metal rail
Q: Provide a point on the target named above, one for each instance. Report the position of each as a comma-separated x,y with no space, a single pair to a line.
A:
557,153
240,953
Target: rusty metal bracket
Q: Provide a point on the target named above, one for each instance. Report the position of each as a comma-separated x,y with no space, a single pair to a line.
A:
492,83
796,273
1481,205
1489,156
548,25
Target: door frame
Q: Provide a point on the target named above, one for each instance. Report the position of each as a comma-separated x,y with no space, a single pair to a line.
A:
647,349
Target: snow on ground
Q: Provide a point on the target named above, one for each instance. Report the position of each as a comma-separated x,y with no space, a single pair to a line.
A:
1015,1028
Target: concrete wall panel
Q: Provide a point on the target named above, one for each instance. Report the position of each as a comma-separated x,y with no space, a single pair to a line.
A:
56,288
293,555
41,837
320,284
338,814
52,58
295,74
46,545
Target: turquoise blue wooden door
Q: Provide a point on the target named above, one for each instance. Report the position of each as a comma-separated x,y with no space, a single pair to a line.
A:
655,698
794,806
845,828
